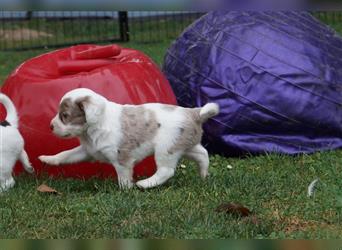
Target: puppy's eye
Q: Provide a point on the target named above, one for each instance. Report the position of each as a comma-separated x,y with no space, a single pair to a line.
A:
65,116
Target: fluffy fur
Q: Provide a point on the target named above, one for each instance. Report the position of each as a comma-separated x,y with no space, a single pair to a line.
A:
11,146
123,135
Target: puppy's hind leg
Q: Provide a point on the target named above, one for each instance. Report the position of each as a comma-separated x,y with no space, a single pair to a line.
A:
26,162
200,155
7,184
6,167
166,165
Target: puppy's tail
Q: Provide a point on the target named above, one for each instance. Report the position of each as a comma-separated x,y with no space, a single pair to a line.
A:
209,110
12,116
26,162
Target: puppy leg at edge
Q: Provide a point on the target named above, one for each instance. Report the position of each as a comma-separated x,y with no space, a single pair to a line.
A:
166,165
200,155
6,179
7,184
74,155
26,162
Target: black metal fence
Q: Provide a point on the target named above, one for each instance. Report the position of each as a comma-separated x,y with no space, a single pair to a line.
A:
38,29
161,25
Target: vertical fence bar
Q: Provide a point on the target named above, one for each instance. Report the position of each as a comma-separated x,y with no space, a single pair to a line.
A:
21,32
2,31
159,30
133,25
106,24
174,24
166,26
72,24
55,27
11,31
63,25
46,29
97,27
334,17
28,21
141,24
149,25
123,26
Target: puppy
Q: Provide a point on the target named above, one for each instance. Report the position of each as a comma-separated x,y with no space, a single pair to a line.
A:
123,135
11,146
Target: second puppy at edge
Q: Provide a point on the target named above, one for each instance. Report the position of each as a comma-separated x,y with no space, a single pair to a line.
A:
123,135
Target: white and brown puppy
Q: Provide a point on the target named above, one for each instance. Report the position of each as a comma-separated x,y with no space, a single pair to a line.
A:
123,135
11,146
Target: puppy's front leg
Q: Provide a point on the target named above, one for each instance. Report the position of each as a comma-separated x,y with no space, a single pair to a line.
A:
74,155
125,175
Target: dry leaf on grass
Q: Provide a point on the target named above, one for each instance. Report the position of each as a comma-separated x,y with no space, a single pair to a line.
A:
239,211
234,209
46,189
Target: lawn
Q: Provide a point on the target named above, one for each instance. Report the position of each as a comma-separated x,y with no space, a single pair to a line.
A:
273,187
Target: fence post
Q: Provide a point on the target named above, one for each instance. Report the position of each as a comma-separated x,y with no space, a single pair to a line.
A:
123,24
29,15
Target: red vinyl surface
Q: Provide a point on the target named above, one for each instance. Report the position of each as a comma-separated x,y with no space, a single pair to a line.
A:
122,75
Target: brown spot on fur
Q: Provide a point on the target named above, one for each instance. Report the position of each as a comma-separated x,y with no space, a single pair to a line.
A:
191,132
72,113
139,125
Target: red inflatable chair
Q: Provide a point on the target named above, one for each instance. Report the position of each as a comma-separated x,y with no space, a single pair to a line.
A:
125,76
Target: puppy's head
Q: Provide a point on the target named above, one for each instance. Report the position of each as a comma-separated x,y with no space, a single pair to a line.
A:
78,110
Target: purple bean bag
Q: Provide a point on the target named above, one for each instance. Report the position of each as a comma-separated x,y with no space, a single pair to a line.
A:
277,77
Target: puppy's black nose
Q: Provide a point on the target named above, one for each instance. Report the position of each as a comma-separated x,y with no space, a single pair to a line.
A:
51,126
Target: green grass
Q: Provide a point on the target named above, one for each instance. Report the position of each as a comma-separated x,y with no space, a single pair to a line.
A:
273,186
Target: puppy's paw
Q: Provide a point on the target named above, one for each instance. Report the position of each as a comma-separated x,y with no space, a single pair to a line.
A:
144,184
125,184
50,160
204,174
30,170
7,184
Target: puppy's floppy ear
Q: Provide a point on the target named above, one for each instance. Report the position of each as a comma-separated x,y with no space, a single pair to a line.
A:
92,108
82,102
